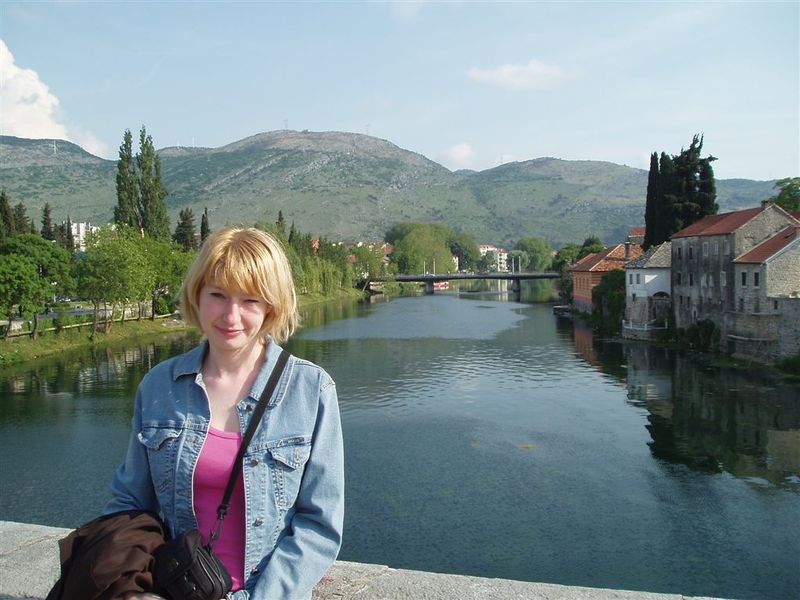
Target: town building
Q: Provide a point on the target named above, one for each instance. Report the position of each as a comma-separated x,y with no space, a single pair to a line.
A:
500,254
765,324
79,233
703,254
648,293
587,272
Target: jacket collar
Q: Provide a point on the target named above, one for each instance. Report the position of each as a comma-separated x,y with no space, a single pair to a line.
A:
191,363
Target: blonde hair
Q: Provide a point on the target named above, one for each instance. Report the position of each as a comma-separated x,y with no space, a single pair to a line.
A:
253,262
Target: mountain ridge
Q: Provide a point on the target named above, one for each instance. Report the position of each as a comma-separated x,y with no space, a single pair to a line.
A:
352,186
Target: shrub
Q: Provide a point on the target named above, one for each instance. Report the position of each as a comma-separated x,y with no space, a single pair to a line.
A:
790,365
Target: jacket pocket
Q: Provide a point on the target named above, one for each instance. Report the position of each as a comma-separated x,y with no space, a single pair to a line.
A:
161,443
288,458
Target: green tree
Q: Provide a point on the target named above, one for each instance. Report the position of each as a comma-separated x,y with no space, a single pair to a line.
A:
21,286
185,231
652,218
423,248
53,263
48,231
465,248
126,212
680,192
608,298
205,230
788,198
152,208
104,272
7,224
53,266
538,252
590,245
22,224
64,235
562,261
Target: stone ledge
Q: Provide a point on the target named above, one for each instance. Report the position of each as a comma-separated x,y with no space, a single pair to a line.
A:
29,566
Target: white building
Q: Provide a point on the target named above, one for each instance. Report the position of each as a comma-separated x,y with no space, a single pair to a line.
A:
500,254
648,292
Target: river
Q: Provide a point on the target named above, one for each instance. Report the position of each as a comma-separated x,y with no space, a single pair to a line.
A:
483,436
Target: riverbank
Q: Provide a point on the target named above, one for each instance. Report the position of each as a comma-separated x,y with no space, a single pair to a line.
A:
23,350
29,566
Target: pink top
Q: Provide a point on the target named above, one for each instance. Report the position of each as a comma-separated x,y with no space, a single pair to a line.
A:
214,466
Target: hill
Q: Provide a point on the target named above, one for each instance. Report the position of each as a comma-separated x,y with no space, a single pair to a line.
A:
352,186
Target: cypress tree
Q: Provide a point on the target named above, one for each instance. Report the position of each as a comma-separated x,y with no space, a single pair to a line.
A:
185,232
152,209
22,224
204,229
7,224
651,216
126,211
48,232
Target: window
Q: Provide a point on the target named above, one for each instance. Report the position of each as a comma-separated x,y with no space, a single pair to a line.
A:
716,248
691,278
755,279
678,277
722,280
775,304
711,281
755,305
744,278
679,252
705,248
630,278
634,297
690,252
741,304
637,278
726,246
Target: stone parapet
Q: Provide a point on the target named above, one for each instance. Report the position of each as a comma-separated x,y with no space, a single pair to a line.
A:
29,567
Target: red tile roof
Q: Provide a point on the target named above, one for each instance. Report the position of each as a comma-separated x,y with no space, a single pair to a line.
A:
636,231
719,224
771,246
608,259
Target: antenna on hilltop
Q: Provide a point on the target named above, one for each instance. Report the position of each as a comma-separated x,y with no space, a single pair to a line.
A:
367,128
55,148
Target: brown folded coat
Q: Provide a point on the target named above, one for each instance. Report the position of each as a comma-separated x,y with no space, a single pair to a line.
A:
109,557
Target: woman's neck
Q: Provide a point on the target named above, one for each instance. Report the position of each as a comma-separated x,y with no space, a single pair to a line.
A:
236,364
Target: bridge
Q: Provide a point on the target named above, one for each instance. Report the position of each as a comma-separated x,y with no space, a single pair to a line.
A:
430,278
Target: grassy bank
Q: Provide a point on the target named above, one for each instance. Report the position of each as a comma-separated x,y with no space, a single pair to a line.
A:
21,350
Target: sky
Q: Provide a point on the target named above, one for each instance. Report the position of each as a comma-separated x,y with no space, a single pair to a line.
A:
467,84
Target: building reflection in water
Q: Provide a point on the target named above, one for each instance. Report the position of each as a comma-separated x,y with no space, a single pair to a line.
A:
742,421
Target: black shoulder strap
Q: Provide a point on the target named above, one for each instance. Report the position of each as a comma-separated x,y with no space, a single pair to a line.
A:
269,389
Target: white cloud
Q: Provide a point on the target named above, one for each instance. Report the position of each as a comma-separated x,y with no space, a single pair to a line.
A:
534,75
460,156
28,109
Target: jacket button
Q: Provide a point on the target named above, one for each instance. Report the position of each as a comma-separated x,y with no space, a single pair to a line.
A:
249,408
254,572
258,522
254,462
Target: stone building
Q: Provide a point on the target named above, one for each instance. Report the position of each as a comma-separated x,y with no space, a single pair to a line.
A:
648,293
702,260
705,271
766,322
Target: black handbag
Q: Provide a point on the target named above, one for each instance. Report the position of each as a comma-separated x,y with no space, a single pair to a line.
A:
185,569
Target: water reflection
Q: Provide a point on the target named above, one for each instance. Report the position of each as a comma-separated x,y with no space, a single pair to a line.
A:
745,422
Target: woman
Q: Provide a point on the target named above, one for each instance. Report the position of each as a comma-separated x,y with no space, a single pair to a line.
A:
283,529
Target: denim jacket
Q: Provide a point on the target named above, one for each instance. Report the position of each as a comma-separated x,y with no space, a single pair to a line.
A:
293,469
